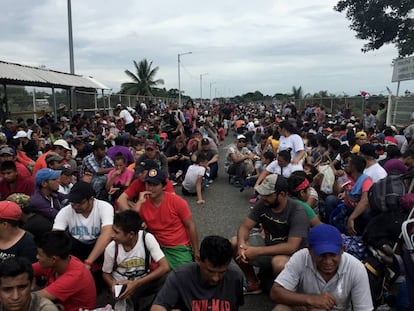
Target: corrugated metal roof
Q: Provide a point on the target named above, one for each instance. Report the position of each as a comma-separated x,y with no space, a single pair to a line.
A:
12,73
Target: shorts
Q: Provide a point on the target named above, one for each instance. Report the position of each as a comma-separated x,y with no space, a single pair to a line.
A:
261,261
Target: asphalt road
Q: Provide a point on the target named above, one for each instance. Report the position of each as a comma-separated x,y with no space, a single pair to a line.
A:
222,213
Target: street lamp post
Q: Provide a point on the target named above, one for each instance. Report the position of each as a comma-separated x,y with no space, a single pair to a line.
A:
211,83
201,86
179,77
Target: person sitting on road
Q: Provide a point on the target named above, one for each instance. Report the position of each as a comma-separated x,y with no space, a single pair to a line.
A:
16,283
212,158
322,277
211,283
285,225
126,261
195,180
239,161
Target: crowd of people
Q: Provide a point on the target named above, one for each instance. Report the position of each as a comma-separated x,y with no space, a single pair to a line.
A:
99,203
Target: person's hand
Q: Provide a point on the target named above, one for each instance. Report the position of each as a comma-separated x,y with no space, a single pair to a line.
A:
117,172
129,290
295,161
324,301
341,195
113,190
251,253
241,256
351,226
143,196
201,202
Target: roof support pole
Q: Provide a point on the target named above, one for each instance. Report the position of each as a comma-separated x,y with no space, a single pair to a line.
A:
54,104
4,108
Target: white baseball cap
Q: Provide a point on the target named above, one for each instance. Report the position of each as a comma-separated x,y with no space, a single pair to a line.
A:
20,134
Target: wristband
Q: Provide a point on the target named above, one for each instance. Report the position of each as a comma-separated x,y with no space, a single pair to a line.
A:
88,263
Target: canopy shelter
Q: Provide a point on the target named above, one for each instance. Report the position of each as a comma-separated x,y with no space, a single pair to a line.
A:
17,74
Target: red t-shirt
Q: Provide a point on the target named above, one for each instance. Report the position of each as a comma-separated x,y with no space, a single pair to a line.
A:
22,185
75,288
138,186
166,220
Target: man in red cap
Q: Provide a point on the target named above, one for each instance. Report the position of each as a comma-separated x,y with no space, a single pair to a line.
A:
14,241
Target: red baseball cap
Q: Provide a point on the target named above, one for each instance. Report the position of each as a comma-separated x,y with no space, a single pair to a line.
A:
10,210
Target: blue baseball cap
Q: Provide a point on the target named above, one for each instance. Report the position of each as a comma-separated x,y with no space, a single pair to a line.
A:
325,239
155,176
46,174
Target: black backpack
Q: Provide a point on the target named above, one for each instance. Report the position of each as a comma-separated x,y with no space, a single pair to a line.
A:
384,195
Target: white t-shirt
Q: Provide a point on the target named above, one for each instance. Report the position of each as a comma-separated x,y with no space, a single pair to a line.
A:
131,264
85,230
191,176
274,168
295,143
376,172
125,114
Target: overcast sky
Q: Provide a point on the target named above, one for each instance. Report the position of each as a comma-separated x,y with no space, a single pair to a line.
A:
243,45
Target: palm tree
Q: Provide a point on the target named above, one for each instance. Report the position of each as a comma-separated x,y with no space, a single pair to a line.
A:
297,93
143,81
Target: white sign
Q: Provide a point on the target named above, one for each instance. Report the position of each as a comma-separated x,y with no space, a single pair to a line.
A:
403,69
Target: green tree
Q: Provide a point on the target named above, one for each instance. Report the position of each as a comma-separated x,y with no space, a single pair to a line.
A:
143,82
297,93
381,22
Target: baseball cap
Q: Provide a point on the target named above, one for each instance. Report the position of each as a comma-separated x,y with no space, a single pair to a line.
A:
80,191
7,150
146,165
241,137
46,174
163,135
152,144
205,141
64,119
66,169
10,210
268,185
21,199
361,134
155,176
324,239
369,150
20,134
140,133
53,157
62,143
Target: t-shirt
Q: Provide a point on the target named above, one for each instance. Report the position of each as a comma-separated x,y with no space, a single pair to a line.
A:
190,180
85,230
124,114
295,143
21,185
376,172
25,247
166,221
292,221
75,288
122,179
349,285
275,168
185,290
131,264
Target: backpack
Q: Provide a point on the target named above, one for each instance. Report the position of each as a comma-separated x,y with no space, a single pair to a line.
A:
147,255
385,194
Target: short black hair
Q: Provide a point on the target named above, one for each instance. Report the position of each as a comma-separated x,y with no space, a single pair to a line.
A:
201,157
128,221
358,162
217,250
14,266
294,180
99,145
285,155
55,243
8,165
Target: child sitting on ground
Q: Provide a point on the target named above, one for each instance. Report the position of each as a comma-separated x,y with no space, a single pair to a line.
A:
194,180
127,263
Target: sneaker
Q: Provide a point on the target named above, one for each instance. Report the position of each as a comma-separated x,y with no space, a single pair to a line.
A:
252,289
210,181
174,183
